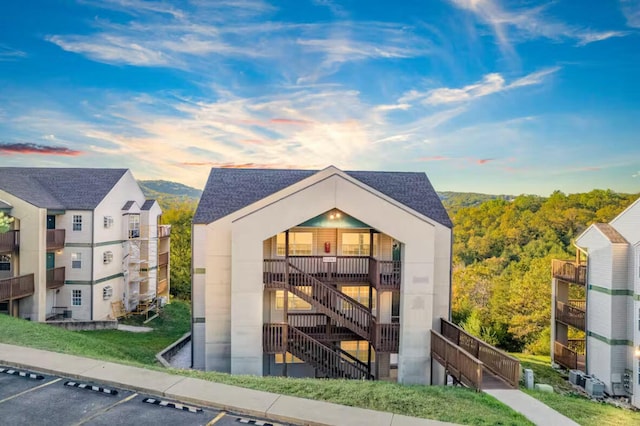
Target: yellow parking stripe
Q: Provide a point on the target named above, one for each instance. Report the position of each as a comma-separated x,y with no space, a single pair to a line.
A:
217,418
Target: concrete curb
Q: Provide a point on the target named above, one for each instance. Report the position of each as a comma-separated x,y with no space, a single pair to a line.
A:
172,349
239,400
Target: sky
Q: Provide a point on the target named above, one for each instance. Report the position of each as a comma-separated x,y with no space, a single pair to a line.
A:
492,96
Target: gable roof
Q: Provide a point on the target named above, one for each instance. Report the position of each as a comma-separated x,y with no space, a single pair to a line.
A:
229,190
148,204
59,188
610,233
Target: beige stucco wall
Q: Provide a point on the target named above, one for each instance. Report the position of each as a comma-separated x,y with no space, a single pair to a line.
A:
238,284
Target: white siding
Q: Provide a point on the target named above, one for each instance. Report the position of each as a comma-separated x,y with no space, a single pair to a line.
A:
627,223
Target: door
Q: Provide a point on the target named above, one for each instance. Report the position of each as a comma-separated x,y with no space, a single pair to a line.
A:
51,222
396,251
51,260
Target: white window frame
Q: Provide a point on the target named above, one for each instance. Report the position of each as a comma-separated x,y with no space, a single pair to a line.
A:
295,303
77,222
108,221
295,248
134,226
361,248
107,257
76,260
76,297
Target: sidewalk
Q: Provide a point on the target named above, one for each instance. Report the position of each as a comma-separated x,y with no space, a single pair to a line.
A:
531,408
275,407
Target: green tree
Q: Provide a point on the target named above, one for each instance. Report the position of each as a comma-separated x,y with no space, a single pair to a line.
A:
5,223
179,216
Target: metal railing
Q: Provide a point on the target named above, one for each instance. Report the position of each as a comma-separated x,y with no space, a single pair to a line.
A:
16,287
55,278
460,364
570,315
55,239
569,271
498,362
9,241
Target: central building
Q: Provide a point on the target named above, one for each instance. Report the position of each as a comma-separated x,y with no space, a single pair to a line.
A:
319,274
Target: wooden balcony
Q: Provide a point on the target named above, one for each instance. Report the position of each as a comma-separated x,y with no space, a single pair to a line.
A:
16,287
9,241
162,287
567,357
386,337
382,275
163,259
55,278
571,272
55,239
164,231
571,314
320,327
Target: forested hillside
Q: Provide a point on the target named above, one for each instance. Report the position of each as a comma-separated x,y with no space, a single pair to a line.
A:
454,201
169,193
502,261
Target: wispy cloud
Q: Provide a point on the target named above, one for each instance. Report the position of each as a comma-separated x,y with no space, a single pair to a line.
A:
490,84
512,26
32,148
631,11
10,54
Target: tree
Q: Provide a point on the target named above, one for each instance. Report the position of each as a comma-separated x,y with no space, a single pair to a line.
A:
5,223
179,216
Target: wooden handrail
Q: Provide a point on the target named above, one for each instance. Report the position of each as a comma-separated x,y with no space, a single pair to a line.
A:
55,277
55,239
570,315
274,338
498,362
459,363
386,337
16,287
9,241
565,356
331,302
569,271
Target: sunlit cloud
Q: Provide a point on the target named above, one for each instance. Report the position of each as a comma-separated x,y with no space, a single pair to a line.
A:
631,11
10,54
434,158
481,161
32,148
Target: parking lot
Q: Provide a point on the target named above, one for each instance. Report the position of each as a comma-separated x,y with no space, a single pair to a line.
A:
31,398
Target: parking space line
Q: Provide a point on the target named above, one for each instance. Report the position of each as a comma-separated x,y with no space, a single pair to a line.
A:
104,410
217,418
29,390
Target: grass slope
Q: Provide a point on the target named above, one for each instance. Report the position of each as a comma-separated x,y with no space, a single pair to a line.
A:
570,403
441,403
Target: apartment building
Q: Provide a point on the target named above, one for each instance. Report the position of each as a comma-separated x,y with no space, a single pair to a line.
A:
320,274
82,241
599,333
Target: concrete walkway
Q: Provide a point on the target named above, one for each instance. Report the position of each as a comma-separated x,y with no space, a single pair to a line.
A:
531,408
134,328
275,407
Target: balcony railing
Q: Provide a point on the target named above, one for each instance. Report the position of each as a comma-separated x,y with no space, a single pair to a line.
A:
568,271
386,337
9,241
567,357
55,278
577,345
570,315
164,231
55,239
460,364
16,287
162,286
163,259
382,274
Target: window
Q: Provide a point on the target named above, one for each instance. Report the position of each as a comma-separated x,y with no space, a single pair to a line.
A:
358,349
300,243
295,303
290,359
76,260
360,294
134,226
76,297
107,257
77,222
107,292
5,262
108,221
357,243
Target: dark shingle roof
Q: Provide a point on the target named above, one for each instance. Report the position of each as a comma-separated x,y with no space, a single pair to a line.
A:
59,188
147,204
229,190
611,233
127,205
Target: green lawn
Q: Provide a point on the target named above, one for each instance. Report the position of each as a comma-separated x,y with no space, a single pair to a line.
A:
441,403
568,402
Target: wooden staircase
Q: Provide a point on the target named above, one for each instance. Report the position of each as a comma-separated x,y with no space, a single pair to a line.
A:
333,303
331,362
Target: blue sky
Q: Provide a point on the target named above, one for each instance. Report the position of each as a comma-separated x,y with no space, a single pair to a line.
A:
488,96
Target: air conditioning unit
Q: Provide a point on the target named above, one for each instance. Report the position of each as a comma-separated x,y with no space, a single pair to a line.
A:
574,376
594,388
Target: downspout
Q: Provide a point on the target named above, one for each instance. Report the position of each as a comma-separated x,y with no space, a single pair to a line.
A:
93,250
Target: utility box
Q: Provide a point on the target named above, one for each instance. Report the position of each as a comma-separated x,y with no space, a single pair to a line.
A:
594,388
528,378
